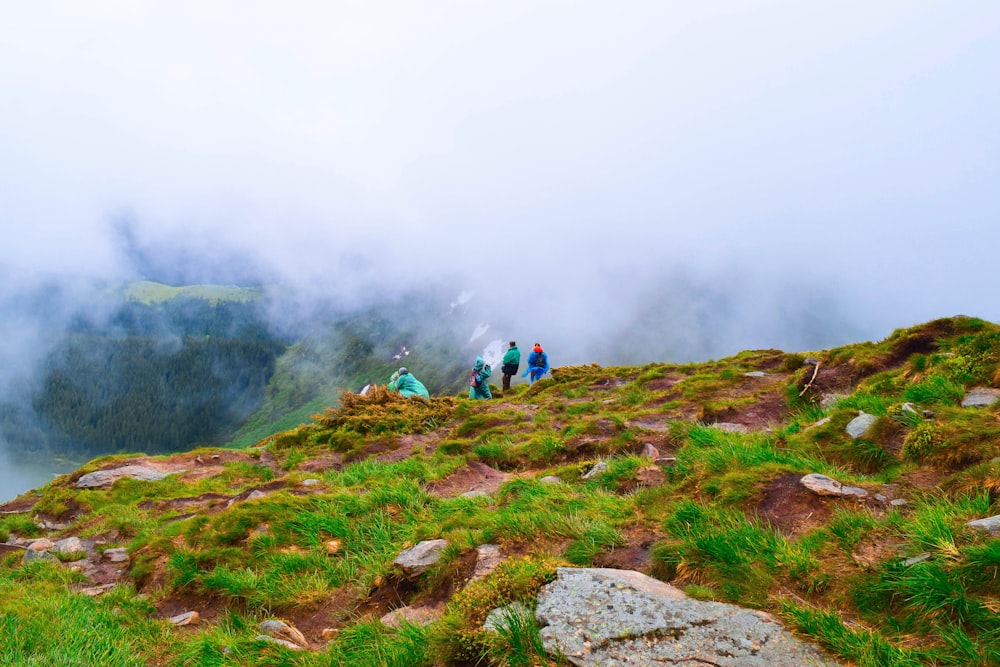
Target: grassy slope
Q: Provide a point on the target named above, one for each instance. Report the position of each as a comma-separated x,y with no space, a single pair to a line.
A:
149,292
727,520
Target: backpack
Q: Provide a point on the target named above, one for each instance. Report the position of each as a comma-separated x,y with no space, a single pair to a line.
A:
474,380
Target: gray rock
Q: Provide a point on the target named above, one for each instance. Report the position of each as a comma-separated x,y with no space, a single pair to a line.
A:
417,560
822,422
981,397
729,427
756,374
989,524
916,559
822,485
898,502
488,557
102,478
598,468
71,545
858,426
649,452
413,616
187,618
882,499
36,556
550,479
502,616
278,629
604,617
50,525
311,482
117,555
909,407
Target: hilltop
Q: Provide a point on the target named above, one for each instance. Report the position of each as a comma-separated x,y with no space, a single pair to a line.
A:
851,493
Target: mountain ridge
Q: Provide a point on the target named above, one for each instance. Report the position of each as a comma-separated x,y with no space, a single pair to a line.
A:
747,480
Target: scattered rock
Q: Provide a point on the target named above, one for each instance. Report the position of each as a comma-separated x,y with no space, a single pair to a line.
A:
102,478
989,524
730,427
598,468
882,499
117,555
50,525
822,485
333,547
981,397
613,617
822,422
550,479
94,591
413,616
649,452
311,482
278,629
488,557
858,426
417,560
755,374
42,544
650,476
71,545
187,618
898,502
35,556
916,559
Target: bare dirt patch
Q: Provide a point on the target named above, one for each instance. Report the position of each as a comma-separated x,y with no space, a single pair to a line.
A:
334,612
322,463
208,607
474,476
635,555
20,505
922,478
790,507
664,383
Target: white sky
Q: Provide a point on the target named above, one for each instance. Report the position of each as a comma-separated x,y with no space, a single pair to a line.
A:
570,147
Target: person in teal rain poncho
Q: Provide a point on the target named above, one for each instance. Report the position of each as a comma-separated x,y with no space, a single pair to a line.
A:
407,385
479,385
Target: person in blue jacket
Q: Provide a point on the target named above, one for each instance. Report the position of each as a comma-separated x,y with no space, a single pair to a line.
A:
479,383
407,385
538,364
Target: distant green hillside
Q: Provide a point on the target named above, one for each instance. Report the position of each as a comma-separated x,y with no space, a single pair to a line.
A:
149,292
702,475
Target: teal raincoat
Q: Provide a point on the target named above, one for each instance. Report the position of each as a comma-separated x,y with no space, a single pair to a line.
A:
479,385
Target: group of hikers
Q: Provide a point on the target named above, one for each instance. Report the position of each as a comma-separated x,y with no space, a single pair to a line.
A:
402,381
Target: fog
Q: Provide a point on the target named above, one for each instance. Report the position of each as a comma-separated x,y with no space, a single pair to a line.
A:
624,182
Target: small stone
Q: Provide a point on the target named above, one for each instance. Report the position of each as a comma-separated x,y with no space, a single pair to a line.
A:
70,545
35,556
279,642
329,633
420,558
333,546
756,374
908,407
822,422
649,452
916,559
488,557
187,618
412,615
858,426
882,499
94,591
898,502
42,544
550,479
282,631
990,524
598,468
311,482
117,555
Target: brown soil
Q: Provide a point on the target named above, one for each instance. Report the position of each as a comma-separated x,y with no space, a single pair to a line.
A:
181,602
790,507
873,550
922,478
664,383
322,463
635,555
408,443
334,612
474,476
20,505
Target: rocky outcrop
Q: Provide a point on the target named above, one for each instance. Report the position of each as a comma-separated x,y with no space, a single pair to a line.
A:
822,485
102,478
981,397
602,617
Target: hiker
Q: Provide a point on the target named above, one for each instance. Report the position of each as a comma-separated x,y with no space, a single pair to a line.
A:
407,385
479,386
538,364
511,363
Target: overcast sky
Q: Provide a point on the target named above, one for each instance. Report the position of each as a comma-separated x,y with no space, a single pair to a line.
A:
579,149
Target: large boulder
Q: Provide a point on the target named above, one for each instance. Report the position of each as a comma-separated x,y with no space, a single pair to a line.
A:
981,397
603,617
